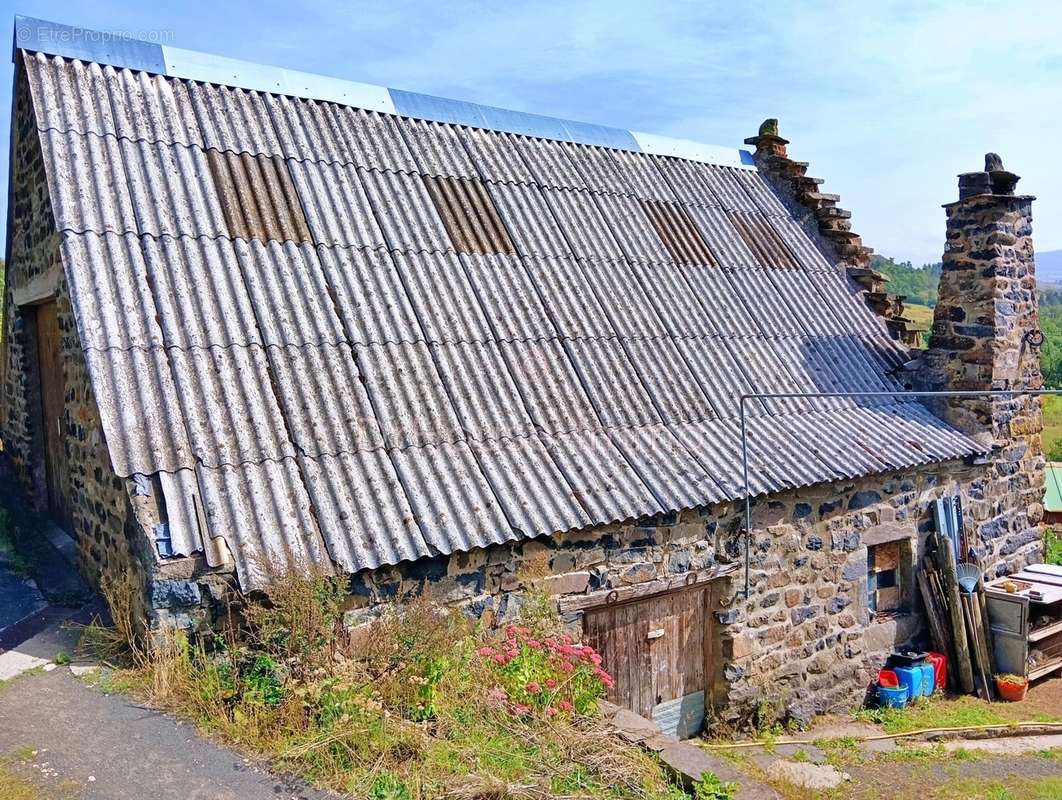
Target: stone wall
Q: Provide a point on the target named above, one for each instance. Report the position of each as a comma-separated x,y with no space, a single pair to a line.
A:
98,499
805,641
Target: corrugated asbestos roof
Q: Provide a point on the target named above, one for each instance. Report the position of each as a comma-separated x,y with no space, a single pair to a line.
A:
278,322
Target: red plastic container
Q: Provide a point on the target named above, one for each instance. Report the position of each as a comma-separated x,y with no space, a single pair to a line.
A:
1012,692
940,670
888,679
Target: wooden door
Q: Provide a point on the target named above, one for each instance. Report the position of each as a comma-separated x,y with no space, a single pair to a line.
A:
53,395
656,650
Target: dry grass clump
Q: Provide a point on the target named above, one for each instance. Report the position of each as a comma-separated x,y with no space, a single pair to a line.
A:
419,704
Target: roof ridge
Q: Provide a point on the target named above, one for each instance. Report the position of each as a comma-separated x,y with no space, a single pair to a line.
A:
123,51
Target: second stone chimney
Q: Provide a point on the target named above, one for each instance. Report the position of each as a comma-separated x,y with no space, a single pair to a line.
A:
986,336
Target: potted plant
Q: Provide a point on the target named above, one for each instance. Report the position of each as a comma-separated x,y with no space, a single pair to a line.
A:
1012,687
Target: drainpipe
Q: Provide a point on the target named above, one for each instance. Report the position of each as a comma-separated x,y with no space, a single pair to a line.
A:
816,395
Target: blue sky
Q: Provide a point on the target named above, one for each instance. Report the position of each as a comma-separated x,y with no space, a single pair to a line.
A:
887,100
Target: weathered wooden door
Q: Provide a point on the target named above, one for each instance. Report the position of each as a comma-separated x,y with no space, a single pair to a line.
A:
53,393
657,651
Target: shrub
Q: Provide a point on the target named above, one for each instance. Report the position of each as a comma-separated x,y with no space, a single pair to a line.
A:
711,787
417,704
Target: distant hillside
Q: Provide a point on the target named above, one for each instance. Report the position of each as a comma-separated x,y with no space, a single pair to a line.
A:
917,284
1049,266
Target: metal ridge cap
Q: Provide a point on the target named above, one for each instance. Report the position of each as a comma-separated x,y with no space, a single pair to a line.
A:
124,51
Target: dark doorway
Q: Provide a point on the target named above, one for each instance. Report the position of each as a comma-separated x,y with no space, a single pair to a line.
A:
53,394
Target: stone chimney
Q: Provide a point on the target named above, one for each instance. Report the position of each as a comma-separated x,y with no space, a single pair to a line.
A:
986,336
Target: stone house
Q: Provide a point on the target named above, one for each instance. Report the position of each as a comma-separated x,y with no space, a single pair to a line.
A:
256,319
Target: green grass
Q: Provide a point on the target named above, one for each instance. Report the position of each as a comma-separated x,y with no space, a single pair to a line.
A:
1009,789
1052,405
921,316
934,712
1053,548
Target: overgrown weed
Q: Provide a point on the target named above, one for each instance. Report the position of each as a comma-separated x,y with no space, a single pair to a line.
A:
418,704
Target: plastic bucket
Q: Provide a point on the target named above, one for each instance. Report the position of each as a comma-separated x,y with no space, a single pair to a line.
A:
893,697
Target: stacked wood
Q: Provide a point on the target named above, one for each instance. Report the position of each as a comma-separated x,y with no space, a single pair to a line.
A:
958,621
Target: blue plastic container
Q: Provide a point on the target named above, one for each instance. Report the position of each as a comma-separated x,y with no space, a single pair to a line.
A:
911,679
929,679
893,697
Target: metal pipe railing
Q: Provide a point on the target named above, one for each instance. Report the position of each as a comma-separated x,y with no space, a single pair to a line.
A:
850,395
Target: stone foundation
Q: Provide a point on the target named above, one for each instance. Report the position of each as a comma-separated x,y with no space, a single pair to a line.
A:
804,643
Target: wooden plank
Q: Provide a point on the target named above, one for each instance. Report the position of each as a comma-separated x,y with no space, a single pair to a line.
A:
984,631
623,594
969,615
937,626
53,398
946,569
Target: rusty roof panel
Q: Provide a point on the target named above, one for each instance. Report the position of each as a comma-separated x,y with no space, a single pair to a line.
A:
139,410
727,247
676,479
638,238
407,394
508,298
227,397
406,212
496,157
264,514
679,308
486,398
289,292
612,383
199,292
605,484
530,487
625,302
548,381
234,120
325,404
362,510
583,224
679,233
675,391
470,216
112,304
443,299
257,197
451,499
569,298
337,208
370,297
529,220
763,240
78,97
437,149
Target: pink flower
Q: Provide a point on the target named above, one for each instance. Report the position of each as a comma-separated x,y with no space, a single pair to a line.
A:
486,651
564,705
501,658
510,631
551,711
519,710
534,687
534,644
551,684
567,666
